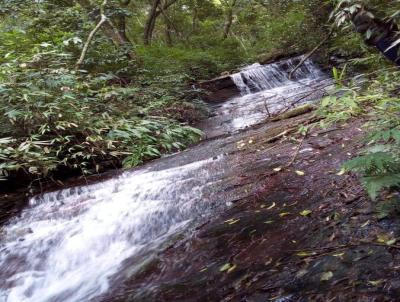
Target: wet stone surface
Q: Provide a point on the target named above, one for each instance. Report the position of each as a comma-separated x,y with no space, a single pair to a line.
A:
294,238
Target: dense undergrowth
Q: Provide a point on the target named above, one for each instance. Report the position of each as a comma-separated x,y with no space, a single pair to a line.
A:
375,98
54,116
367,87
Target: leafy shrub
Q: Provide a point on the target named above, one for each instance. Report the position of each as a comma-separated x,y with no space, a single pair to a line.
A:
52,116
379,163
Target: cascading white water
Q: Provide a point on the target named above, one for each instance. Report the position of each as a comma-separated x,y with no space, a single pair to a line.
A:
257,77
266,91
72,245
68,244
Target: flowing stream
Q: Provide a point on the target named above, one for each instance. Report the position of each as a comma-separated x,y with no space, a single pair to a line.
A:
76,244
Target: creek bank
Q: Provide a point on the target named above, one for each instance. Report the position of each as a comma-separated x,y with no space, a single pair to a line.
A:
306,233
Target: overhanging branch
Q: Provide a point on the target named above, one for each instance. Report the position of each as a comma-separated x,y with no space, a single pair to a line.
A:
103,19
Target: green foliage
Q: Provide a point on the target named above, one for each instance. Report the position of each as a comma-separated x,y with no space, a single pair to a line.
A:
348,43
380,170
60,117
379,163
53,116
340,108
388,207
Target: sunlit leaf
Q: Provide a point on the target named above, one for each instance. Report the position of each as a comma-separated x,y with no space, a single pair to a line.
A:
326,276
305,213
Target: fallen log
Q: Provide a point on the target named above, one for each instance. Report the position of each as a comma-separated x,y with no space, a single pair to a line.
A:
294,112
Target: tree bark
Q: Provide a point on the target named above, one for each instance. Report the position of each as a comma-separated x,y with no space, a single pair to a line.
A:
155,11
229,20
194,19
85,49
168,33
150,23
117,36
121,20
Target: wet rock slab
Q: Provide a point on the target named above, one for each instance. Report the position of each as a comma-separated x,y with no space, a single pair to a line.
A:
292,236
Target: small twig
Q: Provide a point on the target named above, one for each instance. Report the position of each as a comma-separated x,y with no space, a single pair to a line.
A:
280,135
297,150
311,53
85,49
266,104
266,108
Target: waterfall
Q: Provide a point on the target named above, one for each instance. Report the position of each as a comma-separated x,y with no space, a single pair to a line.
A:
67,245
259,77
78,244
266,91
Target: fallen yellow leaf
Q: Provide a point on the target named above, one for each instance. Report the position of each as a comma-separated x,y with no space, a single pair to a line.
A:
231,269
304,254
225,267
376,282
234,221
305,213
383,238
365,224
340,255
326,276
341,172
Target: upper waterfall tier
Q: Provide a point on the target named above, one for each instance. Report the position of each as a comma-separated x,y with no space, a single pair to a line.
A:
259,77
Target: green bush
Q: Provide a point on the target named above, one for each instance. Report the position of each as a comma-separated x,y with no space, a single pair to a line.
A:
53,116
58,117
379,163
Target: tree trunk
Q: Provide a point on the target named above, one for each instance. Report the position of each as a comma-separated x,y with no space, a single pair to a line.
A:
116,34
103,19
151,23
155,12
168,33
228,24
120,20
229,20
194,20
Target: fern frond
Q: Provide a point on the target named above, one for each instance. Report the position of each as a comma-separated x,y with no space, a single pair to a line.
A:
373,163
374,184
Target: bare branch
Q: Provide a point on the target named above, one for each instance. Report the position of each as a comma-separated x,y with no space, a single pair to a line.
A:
85,49
311,53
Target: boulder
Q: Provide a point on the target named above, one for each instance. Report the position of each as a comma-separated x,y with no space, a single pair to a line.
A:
220,89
